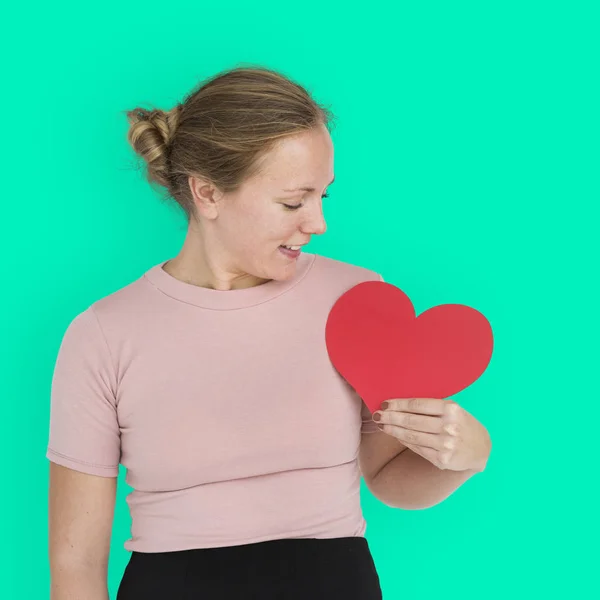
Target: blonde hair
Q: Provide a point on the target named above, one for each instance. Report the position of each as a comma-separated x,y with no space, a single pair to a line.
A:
222,130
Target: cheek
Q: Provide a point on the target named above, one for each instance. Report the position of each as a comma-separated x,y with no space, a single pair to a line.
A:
276,225
250,229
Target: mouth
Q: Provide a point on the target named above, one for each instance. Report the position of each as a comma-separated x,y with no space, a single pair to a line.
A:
290,251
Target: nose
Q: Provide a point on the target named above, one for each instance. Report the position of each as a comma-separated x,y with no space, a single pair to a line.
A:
315,221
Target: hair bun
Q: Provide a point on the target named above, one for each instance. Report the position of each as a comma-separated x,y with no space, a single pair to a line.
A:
150,134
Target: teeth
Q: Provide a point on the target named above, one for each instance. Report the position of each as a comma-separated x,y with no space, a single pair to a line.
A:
293,247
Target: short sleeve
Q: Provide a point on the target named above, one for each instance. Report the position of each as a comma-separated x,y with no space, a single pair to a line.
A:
368,425
84,430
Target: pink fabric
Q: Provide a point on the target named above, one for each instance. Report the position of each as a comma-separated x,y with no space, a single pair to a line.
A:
223,406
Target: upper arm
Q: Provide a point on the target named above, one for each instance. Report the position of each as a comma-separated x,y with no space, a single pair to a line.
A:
80,517
377,448
84,446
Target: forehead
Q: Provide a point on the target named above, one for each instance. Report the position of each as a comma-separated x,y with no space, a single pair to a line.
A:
304,159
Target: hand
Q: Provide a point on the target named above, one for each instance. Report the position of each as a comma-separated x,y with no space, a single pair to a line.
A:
438,430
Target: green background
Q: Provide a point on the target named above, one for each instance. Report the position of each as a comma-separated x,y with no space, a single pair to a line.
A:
466,162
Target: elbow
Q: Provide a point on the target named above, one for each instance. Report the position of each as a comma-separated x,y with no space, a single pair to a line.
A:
407,505
66,563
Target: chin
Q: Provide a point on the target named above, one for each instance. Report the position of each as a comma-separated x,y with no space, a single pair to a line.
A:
284,274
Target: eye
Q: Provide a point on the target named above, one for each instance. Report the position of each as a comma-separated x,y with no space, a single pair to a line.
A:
297,206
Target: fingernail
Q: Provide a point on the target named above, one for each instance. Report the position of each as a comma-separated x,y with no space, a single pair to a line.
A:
385,405
377,417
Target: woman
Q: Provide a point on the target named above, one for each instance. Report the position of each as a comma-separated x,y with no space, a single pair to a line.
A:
209,380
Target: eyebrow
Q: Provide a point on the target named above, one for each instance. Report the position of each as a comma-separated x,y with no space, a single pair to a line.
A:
306,189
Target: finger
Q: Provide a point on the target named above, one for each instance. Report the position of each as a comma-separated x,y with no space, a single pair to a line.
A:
423,406
411,421
452,412
445,457
430,440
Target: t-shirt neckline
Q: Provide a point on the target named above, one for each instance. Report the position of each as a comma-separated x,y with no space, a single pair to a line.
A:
226,299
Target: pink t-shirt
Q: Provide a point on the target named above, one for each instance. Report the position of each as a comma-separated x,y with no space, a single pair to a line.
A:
223,406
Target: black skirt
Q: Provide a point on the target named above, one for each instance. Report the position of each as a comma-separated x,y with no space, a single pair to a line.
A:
288,569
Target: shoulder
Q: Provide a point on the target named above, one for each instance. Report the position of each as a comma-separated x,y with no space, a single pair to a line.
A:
343,272
123,305
98,323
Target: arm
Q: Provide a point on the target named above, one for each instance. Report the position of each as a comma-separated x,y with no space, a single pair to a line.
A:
399,477
81,509
423,477
411,482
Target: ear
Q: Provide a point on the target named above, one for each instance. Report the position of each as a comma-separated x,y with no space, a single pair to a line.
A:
205,196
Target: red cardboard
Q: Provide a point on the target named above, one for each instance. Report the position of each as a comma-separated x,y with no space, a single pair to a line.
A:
384,351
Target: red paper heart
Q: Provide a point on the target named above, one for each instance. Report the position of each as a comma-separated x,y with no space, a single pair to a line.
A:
383,350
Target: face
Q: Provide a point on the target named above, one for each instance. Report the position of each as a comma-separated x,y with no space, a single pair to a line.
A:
240,234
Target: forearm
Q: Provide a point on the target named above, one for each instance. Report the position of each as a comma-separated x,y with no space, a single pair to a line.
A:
411,482
78,583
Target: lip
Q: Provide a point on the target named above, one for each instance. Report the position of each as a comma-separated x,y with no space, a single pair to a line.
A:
290,254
